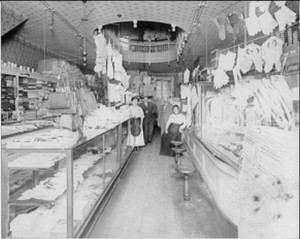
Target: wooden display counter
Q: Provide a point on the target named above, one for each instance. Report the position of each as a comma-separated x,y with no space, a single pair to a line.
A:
220,177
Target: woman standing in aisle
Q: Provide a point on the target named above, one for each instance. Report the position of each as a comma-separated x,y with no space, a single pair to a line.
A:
135,131
175,125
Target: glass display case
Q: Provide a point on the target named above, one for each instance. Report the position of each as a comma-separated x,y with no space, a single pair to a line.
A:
53,182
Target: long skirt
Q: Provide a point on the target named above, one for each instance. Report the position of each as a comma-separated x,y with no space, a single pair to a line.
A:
135,140
172,135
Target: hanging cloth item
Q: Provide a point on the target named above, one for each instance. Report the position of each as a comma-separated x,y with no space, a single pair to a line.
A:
243,61
223,24
220,78
252,22
236,21
186,76
254,53
284,16
227,61
271,53
194,97
266,20
101,53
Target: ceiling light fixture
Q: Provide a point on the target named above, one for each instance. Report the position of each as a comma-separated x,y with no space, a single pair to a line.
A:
173,27
135,23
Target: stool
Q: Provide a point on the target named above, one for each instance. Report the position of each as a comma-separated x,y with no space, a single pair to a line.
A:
177,144
178,152
186,171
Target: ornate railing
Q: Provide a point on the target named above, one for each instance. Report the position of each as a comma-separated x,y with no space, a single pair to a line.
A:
145,52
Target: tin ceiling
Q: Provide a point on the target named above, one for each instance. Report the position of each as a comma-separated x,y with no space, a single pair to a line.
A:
83,18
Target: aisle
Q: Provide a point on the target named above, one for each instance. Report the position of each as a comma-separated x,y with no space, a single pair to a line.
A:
148,202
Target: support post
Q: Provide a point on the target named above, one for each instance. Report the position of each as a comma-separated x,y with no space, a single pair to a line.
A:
70,193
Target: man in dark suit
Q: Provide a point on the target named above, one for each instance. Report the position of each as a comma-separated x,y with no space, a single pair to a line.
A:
150,112
164,113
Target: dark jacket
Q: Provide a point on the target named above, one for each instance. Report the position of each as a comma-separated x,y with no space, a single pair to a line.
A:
150,110
163,116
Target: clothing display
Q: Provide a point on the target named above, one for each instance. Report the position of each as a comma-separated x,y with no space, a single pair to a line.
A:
223,25
186,76
252,22
254,53
284,16
271,53
101,53
266,20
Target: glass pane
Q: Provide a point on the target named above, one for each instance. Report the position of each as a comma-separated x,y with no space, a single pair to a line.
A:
125,149
88,180
111,154
37,184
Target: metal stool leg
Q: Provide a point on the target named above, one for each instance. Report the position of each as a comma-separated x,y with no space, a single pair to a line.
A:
186,193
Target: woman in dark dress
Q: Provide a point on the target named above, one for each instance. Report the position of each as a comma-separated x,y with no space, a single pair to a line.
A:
175,125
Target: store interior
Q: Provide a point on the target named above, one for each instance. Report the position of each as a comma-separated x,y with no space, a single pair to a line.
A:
78,155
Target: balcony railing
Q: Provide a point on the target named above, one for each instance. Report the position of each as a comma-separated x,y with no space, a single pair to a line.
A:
145,52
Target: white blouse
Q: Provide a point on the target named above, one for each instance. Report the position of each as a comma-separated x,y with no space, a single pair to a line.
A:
177,119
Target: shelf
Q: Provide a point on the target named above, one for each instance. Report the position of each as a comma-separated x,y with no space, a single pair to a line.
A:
33,75
32,202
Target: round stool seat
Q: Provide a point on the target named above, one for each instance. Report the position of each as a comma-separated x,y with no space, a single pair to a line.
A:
185,170
179,150
177,143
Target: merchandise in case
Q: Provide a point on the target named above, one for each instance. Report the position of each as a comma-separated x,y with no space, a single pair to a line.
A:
53,182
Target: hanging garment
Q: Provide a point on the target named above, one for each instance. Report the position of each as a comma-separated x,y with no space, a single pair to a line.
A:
254,53
194,97
184,91
110,69
186,76
118,67
226,62
125,80
252,22
243,61
284,16
101,53
267,22
271,53
236,21
223,24
147,80
220,78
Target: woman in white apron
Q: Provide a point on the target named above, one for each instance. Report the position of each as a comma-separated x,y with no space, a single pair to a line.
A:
135,130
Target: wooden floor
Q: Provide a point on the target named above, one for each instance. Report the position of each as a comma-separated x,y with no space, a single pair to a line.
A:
148,202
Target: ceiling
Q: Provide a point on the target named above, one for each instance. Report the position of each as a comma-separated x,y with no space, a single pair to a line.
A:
63,40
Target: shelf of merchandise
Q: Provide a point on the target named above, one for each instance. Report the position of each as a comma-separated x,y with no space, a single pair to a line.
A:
19,74
71,152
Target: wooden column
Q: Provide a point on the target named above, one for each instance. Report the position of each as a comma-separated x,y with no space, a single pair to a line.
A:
69,193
